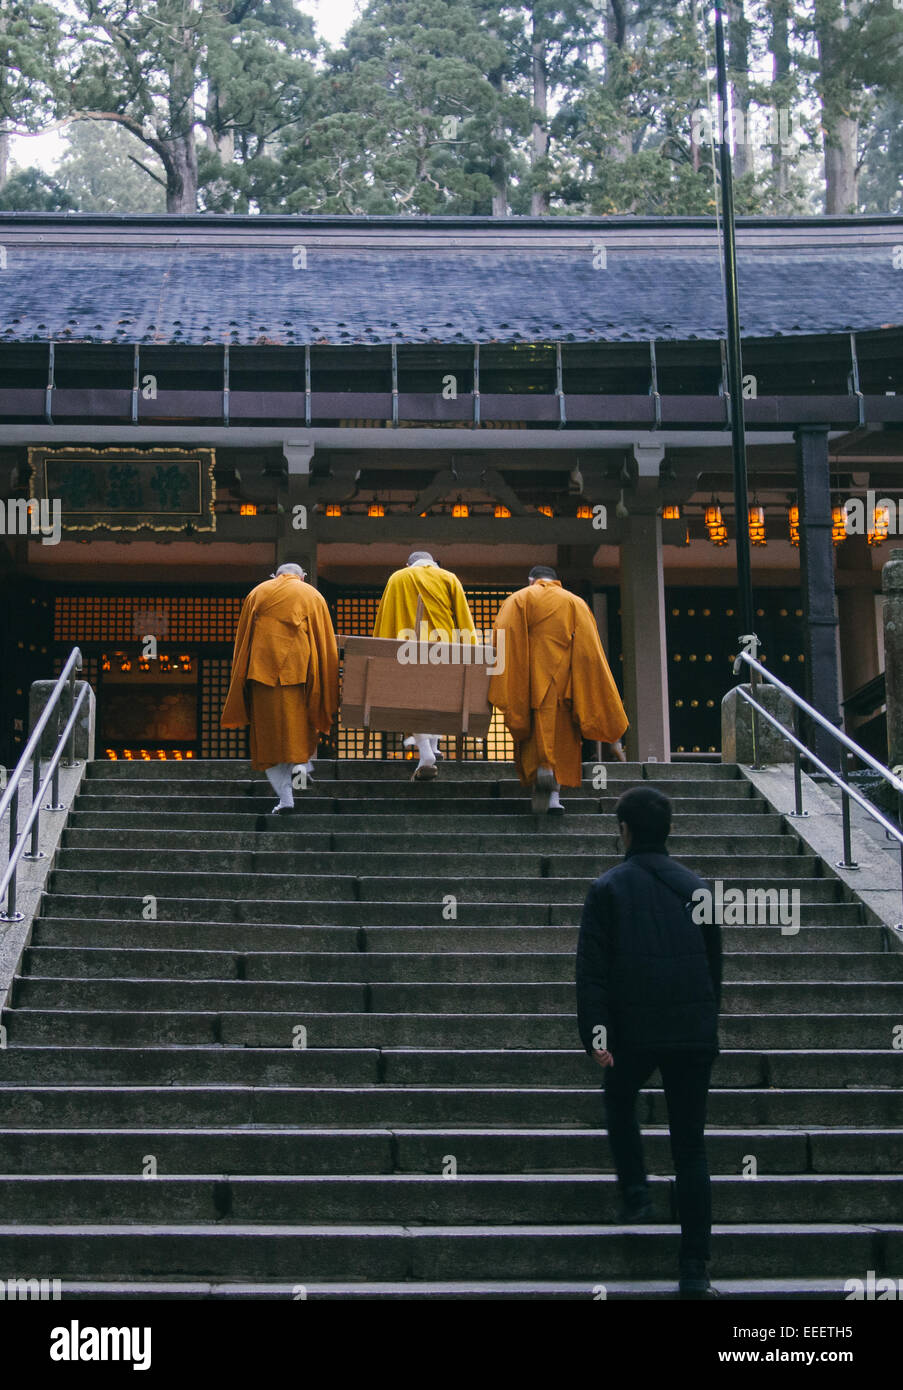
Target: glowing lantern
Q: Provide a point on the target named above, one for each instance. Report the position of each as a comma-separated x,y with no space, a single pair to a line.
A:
880,526
714,524
793,517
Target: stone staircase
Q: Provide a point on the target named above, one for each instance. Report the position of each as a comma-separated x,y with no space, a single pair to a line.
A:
335,1054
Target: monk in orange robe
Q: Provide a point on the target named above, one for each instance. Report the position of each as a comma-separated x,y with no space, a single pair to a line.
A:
285,678
555,688
436,595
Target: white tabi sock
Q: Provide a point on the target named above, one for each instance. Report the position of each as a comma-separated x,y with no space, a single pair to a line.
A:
280,779
425,750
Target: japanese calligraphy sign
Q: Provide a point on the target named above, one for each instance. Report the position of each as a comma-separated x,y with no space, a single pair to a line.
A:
119,489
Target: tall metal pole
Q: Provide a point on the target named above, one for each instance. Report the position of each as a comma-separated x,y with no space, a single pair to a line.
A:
734,363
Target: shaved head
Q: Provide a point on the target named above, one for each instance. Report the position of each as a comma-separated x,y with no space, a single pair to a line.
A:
420,557
290,569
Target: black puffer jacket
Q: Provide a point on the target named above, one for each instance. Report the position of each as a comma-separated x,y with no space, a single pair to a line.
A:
647,972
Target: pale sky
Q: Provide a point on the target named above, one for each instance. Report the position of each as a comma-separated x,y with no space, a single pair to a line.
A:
331,17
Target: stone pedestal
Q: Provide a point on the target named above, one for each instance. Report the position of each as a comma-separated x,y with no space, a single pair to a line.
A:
892,585
737,728
85,728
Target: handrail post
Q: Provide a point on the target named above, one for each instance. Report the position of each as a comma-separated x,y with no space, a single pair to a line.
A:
900,822
68,757
55,785
55,803
847,862
797,768
11,915
33,852
752,718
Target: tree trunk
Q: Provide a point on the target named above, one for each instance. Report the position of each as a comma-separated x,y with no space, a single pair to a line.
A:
841,171
221,142
180,160
780,72
539,201
498,164
621,147
4,137
738,64
499,175
839,120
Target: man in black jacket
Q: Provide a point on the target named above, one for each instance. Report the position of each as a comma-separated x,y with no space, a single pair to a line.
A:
648,995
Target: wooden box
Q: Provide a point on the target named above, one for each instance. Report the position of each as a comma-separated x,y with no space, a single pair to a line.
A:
448,697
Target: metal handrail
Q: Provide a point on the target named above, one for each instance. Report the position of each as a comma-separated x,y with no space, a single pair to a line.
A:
31,753
801,751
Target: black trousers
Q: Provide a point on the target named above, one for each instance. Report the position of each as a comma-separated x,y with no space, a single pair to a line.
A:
685,1077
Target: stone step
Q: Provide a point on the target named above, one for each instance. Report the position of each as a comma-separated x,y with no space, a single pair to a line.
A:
461,789
754,818
488,888
94,870
428,862
564,1199
92,1107
102,1028
428,802
24,1065
398,1252
783,1290
327,913
375,1150
474,966
83,846
377,769
542,997
96,933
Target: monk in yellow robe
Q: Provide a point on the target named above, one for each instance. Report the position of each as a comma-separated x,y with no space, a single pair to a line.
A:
285,678
428,603
555,688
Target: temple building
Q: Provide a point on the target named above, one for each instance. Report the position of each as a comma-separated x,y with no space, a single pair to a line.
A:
186,402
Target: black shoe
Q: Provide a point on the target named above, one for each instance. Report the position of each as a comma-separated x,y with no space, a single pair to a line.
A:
637,1209
694,1281
689,1290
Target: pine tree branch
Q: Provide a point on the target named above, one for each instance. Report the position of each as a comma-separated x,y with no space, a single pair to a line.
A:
156,177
